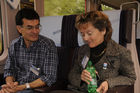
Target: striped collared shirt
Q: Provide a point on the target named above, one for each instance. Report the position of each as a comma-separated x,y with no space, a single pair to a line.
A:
42,55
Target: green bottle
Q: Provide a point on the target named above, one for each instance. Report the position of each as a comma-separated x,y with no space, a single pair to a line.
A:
93,84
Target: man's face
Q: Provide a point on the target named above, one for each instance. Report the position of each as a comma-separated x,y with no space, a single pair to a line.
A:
30,30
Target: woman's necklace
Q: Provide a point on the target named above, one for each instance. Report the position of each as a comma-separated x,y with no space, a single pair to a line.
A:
100,53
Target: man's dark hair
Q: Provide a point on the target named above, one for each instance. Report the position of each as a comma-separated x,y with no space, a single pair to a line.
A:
27,13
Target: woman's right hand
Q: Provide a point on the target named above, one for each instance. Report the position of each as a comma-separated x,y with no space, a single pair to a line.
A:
86,77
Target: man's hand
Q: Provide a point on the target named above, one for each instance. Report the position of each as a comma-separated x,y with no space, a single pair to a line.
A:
12,84
103,87
4,89
10,81
9,87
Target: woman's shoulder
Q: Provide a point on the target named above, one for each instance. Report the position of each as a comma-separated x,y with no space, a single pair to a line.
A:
84,50
84,47
115,47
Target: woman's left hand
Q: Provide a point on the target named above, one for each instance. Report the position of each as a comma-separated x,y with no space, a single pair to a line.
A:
103,87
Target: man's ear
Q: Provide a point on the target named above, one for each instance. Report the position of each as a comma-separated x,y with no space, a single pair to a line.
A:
19,28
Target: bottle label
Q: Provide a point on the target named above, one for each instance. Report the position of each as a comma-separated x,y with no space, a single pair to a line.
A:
94,82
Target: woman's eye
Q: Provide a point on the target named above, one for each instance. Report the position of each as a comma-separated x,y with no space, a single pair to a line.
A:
82,34
89,34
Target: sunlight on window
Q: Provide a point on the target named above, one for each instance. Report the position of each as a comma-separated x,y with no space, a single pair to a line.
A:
104,7
63,7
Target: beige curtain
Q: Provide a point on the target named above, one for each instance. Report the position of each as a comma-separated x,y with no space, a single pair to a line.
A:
132,47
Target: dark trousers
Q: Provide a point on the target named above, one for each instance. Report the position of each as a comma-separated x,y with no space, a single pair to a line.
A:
62,91
28,91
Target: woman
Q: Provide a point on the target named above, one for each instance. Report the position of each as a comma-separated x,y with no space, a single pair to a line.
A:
113,62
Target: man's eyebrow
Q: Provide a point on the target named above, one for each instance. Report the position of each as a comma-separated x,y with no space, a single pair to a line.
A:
32,25
29,25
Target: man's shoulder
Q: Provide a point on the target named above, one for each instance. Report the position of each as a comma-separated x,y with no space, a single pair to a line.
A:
45,40
16,40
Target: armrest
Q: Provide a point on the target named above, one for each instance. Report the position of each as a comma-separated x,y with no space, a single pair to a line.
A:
122,89
117,89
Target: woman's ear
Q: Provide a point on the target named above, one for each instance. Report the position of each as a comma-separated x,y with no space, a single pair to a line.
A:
104,31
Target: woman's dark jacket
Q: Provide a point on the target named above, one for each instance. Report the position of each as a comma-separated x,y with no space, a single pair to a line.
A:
120,68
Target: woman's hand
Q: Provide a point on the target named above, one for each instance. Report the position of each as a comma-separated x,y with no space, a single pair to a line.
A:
85,76
103,87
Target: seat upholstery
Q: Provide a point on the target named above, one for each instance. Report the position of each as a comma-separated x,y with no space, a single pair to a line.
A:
65,56
66,53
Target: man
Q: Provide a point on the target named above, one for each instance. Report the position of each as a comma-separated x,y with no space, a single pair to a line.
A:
32,59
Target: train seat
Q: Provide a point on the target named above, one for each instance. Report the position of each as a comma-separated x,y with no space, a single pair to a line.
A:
67,39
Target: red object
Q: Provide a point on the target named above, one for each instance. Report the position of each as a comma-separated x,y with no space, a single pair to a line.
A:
85,6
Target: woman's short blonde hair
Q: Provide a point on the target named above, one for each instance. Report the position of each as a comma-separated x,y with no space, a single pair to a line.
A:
98,19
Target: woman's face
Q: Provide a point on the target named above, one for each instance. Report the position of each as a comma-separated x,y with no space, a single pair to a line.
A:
92,36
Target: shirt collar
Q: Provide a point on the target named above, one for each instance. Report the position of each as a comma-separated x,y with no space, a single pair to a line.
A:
34,44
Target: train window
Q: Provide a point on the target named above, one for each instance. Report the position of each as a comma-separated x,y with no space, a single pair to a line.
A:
63,7
1,45
27,3
105,7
